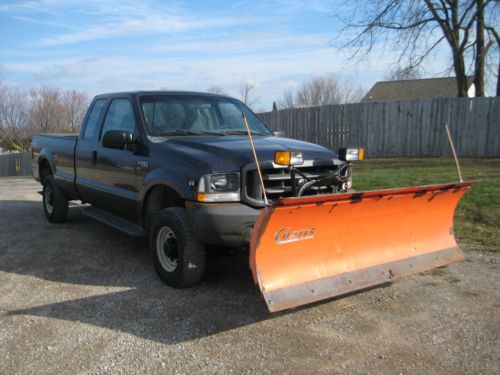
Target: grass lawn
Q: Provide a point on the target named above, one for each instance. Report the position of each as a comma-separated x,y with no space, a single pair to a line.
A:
25,177
477,220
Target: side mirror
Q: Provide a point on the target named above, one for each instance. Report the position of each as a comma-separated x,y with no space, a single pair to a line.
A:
279,133
118,139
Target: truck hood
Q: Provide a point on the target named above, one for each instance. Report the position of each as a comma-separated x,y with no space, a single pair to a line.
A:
230,153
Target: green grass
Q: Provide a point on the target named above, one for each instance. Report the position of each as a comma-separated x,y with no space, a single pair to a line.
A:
6,177
477,219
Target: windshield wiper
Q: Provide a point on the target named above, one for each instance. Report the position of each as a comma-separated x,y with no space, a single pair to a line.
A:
208,132
242,132
188,132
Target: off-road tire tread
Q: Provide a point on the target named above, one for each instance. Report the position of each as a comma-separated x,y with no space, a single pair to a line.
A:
193,252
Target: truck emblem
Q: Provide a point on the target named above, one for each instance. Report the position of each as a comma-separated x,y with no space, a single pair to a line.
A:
285,235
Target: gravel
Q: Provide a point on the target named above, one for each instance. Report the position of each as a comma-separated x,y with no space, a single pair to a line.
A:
80,297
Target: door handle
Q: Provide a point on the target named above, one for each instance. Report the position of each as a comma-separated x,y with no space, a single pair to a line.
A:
94,157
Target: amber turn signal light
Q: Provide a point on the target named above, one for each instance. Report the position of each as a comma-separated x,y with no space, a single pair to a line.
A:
282,157
288,158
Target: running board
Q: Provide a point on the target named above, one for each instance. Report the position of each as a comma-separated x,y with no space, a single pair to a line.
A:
115,222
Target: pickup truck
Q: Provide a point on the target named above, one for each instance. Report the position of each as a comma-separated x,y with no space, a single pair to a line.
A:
178,167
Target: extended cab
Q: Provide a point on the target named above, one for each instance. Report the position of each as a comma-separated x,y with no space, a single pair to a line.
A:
178,167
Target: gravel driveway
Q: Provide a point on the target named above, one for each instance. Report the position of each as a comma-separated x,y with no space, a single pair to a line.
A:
80,297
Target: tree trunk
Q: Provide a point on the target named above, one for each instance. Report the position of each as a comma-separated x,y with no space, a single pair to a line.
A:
452,33
480,50
496,36
460,75
498,79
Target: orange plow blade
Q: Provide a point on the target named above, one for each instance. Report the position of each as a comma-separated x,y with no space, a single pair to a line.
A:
311,248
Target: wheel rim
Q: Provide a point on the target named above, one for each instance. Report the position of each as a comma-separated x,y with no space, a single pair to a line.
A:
48,199
167,249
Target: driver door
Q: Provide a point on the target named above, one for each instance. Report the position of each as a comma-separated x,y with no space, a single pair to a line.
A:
115,170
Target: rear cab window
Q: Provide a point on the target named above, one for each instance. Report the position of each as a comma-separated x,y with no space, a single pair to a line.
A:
92,120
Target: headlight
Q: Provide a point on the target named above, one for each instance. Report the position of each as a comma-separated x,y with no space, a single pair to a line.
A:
223,187
350,154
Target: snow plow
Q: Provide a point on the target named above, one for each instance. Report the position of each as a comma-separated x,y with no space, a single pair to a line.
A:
306,249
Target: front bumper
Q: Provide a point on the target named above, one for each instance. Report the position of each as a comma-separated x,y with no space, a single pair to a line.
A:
222,224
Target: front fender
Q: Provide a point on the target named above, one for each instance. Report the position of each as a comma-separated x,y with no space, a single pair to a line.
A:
168,178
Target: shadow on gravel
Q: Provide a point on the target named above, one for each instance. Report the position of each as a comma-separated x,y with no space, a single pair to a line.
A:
114,276
88,258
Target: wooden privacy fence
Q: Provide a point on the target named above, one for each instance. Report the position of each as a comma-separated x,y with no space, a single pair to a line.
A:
401,128
15,164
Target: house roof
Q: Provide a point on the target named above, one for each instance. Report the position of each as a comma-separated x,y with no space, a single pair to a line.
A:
414,89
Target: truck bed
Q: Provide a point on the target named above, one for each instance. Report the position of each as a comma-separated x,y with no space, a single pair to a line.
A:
62,149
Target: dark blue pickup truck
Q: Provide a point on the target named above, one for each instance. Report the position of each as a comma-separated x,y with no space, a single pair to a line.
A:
178,167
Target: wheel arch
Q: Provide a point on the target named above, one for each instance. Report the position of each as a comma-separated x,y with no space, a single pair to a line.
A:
44,168
46,161
156,197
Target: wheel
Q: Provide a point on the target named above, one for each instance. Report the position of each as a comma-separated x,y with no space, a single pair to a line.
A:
179,258
55,203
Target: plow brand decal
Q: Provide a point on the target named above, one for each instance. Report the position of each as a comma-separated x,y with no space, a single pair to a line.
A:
285,235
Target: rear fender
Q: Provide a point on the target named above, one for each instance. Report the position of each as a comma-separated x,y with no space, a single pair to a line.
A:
46,155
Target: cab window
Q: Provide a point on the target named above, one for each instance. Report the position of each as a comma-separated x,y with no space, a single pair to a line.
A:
119,117
91,124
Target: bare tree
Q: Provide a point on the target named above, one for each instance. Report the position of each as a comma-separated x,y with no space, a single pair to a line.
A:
43,110
486,38
288,100
354,96
496,37
419,27
15,132
322,90
74,105
247,95
216,89
400,73
46,110
319,91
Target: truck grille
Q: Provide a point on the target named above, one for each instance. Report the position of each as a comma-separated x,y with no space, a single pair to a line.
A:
277,181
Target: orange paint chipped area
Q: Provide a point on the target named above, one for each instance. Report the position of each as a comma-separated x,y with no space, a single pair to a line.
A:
301,240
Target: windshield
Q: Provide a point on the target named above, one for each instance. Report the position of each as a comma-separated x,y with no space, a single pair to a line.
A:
197,114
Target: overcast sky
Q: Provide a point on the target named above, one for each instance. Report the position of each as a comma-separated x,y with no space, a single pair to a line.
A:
188,45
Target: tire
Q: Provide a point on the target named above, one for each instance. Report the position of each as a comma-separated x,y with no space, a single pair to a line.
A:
179,258
55,203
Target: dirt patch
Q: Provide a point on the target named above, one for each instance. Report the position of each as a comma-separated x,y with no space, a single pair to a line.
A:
82,298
